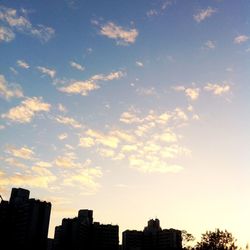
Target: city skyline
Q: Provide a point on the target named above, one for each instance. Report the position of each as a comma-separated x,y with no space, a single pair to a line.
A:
133,109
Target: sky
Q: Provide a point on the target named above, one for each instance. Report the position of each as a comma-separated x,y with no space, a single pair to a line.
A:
136,109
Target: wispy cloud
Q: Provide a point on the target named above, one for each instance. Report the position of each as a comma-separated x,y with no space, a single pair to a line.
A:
77,66
217,89
100,138
23,152
23,64
62,108
6,34
80,87
146,91
241,39
63,136
15,162
68,160
20,23
152,12
122,35
139,64
68,121
210,44
28,108
204,14
147,142
159,10
50,72
35,178
86,178
84,87
8,91
86,142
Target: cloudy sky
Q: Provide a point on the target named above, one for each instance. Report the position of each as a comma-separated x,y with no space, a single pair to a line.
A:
135,109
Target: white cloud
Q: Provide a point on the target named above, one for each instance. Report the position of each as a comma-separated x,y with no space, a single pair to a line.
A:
108,140
68,121
28,108
80,87
9,91
121,35
149,143
23,64
43,33
43,164
241,39
155,12
63,136
139,64
6,34
14,162
13,70
67,160
50,72
152,12
84,87
35,178
77,66
153,165
86,142
23,152
192,93
204,14
217,89
85,179
210,44
20,23
109,77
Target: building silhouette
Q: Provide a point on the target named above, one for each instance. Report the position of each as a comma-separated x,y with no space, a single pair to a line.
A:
152,238
81,233
24,222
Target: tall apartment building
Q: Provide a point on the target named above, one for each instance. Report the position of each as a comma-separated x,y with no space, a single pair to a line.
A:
24,222
152,238
81,233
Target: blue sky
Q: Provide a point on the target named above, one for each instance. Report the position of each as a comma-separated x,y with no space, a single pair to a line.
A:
135,109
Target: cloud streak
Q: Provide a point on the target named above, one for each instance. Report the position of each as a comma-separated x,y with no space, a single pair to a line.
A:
85,87
68,121
122,35
23,152
77,66
204,14
23,64
46,71
241,39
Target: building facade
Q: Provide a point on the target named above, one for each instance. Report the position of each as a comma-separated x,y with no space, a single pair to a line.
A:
24,222
152,238
81,233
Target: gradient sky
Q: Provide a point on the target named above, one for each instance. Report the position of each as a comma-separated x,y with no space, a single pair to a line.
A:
136,109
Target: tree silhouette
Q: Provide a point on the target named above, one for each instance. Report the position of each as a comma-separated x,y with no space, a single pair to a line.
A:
217,240
186,239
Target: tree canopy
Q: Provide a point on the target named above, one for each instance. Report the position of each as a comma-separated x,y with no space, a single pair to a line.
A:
217,240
